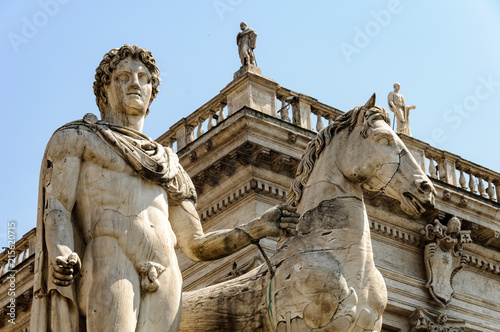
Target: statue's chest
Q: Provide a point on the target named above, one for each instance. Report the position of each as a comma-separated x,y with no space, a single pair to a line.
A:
103,156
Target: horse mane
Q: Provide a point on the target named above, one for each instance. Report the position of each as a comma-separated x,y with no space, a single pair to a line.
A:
323,138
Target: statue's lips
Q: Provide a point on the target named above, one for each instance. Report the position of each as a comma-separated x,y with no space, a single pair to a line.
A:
413,203
134,94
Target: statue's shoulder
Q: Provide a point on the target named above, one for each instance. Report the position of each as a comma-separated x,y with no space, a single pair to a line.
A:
75,127
73,135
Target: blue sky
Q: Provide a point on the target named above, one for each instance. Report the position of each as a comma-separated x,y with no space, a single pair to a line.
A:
445,54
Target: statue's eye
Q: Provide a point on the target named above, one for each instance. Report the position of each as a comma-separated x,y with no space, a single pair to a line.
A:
144,78
122,77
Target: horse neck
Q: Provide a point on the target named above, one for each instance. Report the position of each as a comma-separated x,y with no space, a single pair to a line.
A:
328,190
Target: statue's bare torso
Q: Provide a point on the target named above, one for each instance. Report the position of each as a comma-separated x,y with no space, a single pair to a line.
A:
123,219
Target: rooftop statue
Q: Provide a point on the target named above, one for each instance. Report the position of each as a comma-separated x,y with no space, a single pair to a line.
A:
246,41
397,105
323,279
113,204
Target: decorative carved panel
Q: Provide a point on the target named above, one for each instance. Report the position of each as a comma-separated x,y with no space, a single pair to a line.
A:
443,257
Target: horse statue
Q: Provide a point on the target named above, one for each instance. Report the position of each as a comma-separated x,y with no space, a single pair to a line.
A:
324,278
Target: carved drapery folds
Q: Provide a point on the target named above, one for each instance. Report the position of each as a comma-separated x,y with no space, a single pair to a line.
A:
422,320
443,257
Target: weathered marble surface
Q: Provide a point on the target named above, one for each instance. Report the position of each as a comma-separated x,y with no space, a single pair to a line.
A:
324,279
113,205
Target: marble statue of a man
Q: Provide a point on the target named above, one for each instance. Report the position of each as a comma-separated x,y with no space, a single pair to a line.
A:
397,105
113,204
246,40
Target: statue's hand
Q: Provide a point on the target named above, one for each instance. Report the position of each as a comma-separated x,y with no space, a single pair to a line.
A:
65,269
280,220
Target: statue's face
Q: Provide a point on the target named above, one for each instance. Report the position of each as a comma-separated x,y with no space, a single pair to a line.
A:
130,88
243,26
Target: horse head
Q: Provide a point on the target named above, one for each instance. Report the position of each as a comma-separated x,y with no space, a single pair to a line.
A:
368,154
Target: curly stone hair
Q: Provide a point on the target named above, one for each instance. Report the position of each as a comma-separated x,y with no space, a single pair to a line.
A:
110,62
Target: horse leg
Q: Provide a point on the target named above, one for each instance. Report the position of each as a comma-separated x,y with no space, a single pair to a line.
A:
235,305
368,321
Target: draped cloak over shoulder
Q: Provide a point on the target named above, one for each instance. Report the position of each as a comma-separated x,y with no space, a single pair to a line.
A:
54,307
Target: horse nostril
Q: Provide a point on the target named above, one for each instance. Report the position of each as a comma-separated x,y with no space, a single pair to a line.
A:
424,187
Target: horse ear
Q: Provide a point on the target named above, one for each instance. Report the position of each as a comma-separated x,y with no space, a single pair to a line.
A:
371,101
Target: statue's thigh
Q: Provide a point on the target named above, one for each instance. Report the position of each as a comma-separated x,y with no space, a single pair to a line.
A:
161,310
114,295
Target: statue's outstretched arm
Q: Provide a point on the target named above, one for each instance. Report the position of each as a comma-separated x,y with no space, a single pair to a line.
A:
279,220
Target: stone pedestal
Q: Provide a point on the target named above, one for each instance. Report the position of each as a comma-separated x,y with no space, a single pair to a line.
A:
251,89
247,69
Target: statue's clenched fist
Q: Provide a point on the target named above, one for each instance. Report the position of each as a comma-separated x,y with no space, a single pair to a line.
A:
65,269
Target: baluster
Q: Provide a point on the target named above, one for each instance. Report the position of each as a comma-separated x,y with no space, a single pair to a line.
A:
432,168
20,257
284,110
222,116
481,187
490,190
14,263
472,184
442,170
190,134
462,181
319,123
496,183
306,116
171,144
211,122
200,128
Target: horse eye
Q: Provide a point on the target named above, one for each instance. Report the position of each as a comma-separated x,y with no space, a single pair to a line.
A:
384,141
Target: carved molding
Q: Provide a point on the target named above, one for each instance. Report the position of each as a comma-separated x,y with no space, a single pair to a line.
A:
248,153
469,260
479,234
422,320
394,233
481,264
252,186
443,257
487,236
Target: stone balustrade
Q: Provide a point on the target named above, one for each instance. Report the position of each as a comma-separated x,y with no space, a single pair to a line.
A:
308,113
299,109
454,170
194,125
24,248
